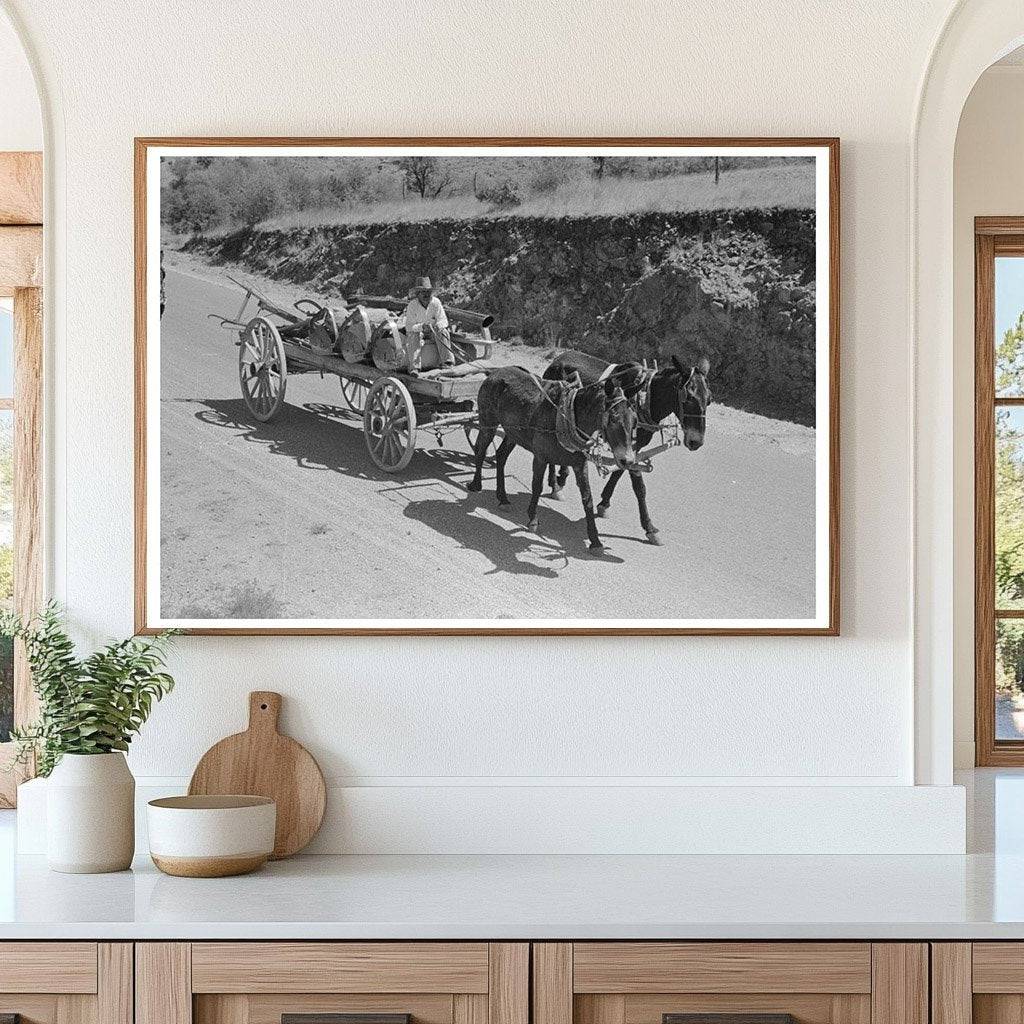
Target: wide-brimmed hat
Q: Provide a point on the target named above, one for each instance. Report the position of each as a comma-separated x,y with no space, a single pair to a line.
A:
422,284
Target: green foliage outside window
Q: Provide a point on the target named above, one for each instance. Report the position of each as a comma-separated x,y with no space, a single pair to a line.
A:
6,687
6,573
1009,510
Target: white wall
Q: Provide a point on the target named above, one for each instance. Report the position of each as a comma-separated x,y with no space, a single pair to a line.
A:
988,181
21,125
445,713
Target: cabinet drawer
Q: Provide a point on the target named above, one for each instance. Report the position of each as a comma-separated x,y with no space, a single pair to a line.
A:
735,982
340,967
630,967
48,967
262,982
66,982
998,967
980,982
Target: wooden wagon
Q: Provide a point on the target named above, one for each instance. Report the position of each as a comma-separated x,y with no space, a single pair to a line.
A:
276,343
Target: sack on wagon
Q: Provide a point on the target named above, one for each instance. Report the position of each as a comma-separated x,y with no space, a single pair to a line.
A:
416,334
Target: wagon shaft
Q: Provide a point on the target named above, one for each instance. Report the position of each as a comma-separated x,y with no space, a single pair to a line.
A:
265,305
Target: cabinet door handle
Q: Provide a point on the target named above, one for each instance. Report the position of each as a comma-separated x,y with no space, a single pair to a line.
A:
338,1018
728,1018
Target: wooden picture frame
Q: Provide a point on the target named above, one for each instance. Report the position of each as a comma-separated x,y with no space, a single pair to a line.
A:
825,621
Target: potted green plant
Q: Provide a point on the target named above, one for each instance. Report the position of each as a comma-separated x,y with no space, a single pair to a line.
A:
89,710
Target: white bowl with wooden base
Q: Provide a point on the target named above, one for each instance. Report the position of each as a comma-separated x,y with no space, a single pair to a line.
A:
211,836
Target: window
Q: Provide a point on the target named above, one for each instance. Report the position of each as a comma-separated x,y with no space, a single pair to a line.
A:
999,490
6,510
21,375
20,502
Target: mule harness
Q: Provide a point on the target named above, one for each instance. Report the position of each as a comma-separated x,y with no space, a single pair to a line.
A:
568,433
643,403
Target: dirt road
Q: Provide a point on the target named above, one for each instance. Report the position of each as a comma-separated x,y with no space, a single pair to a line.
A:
291,518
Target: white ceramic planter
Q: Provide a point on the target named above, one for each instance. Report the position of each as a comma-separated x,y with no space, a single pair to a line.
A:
90,814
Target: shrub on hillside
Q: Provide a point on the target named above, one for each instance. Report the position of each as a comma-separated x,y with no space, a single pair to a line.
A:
547,174
193,205
503,196
262,199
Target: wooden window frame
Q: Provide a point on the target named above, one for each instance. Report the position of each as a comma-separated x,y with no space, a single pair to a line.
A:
21,277
993,236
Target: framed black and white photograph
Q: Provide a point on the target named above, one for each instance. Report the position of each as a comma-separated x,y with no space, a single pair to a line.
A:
494,386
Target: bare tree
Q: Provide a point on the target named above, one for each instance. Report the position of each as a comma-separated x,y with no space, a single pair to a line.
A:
423,175
717,169
599,162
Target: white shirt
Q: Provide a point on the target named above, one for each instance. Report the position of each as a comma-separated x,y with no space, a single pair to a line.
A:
433,313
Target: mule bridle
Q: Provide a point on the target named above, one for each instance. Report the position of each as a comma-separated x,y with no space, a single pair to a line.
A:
694,372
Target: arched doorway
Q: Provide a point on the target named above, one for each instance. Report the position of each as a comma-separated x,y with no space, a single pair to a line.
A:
976,33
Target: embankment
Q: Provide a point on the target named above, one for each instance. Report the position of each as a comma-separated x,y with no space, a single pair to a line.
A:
737,286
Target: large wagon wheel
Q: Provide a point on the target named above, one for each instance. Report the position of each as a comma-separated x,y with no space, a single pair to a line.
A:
354,392
262,369
389,424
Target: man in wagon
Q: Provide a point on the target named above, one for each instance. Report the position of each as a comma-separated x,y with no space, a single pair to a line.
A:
426,320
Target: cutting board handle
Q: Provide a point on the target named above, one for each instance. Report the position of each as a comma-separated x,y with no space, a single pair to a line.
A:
264,710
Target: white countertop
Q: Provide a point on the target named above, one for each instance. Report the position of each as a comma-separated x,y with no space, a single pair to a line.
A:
531,897
978,896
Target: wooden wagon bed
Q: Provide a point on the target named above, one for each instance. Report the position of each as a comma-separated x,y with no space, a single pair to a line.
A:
434,389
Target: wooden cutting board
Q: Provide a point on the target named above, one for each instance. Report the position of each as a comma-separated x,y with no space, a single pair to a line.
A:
262,762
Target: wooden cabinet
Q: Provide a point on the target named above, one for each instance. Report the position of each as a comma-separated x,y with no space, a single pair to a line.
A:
648,982
66,982
261,982
493,983
980,982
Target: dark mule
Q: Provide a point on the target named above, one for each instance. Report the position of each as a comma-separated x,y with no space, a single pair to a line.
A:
631,377
674,389
556,426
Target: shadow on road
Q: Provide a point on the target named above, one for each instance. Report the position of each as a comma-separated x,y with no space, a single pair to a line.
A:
329,438
558,540
317,437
